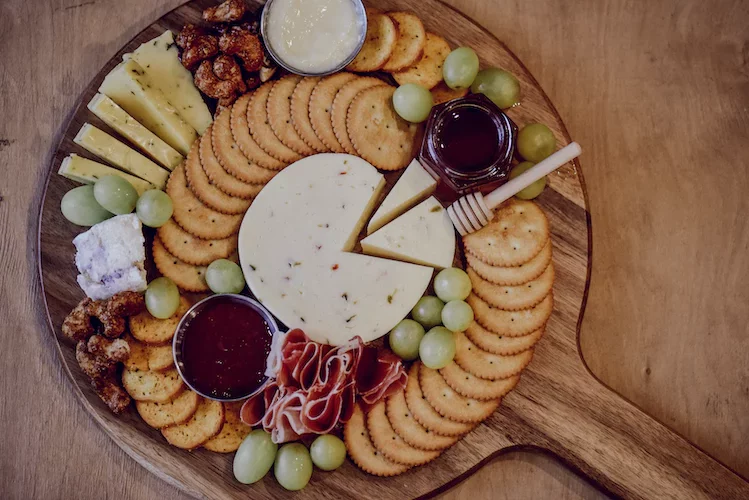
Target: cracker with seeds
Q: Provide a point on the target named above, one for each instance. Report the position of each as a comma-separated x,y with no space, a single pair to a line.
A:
202,426
486,365
279,115
515,275
231,157
219,177
210,195
341,104
186,276
405,425
155,331
300,113
442,93
410,44
148,357
232,432
156,387
391,444
499,344
240,130
192,250
471,386
450,403
362,451
379,44
513,297
175,412
511,323
378,134
424,413
260,129
427,71
321,107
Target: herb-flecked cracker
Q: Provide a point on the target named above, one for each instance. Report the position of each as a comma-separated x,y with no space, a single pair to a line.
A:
202,426
219,177
379,43
231,156
157,387
321,107
341,104
177,411
300,113
210,195
193,250
279,115
151,330
427,71
411,40
186,276
260,129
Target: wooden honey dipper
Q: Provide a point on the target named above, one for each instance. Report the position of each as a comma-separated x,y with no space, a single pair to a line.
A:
474,211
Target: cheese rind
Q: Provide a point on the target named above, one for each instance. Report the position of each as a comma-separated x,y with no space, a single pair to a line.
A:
110,149
80,169
293,250
130,87
160,59
423,235
412,187
129,128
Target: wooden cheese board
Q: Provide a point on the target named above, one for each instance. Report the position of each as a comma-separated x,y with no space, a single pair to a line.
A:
559,407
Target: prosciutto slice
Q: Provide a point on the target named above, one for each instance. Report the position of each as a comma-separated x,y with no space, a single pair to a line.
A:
380,374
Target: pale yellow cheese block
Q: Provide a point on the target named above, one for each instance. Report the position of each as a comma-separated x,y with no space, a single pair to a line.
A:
83,170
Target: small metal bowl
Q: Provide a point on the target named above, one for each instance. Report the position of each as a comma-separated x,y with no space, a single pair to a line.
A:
361,15
179,337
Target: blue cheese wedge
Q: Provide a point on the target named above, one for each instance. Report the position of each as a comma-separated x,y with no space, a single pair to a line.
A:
160,60
131,88
118,154
110,257
128,127
423,235
294,248
80,169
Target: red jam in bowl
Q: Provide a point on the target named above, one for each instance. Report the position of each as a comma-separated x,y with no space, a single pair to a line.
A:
222,345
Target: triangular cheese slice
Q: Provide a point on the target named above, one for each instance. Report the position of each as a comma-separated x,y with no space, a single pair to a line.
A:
413,186
423,235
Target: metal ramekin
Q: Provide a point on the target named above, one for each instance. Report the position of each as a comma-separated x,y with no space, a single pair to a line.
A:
361,15
191,313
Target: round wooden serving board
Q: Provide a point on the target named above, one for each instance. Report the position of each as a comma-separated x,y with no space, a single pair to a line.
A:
558,407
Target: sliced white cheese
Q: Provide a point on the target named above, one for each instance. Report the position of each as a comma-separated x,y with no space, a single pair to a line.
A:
423,235
113,151
85,171
412,187
130,87
160,59
129,128
293,248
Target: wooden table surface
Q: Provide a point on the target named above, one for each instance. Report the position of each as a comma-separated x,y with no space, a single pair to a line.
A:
657,93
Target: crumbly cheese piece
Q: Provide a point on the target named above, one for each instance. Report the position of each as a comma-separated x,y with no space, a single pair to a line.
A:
110,149
130,87
160,59
110,257
129,128
412,187
80,169
423,235
294,248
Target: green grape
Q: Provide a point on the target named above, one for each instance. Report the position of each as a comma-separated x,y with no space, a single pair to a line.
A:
405,338
224,276
534,189
452,284
460,68
154,208
428,311
457,316
328,452
254,457
498,85
115,194
536,142
80,207
162,298
413,102
437,348
293,467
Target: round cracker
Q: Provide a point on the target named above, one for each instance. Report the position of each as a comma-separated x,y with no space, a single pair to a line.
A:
279,115
155,331
513,297
379,43
240,130
157,387
148,357
341,103
471,386
232,432
300,113
449,403
412,432
517,234
378,134
362,451
192,250
511,323
202,426
512,275
210,195
193,216
411,40
262,133
424,413
391,444
321,106
219,177
486,365
175,412
231,157
442,93
427,71
499,344
186,276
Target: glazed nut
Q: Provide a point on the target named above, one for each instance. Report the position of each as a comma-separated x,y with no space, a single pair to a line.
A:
200,48
226,12
244,45
211,85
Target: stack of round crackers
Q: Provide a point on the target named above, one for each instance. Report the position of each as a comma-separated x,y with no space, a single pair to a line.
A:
186,419
509,263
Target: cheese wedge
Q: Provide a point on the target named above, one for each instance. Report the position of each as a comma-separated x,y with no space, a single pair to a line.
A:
294,246
423,235
113,151
85,171
130,87
129,128
160,60
413,186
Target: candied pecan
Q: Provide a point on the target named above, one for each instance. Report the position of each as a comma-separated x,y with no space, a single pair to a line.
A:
227,68
77,325
243,44
226,12
252,82
126,304
211,85
201,48
188,34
